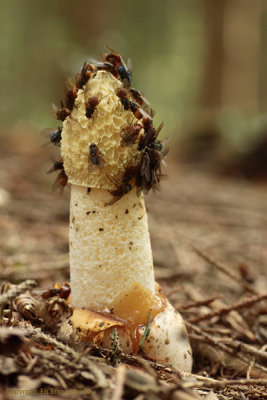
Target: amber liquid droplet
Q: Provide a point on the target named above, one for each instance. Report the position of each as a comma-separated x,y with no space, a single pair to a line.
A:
129,311
134,306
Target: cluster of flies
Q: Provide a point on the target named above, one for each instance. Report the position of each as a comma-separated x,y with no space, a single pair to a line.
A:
146,173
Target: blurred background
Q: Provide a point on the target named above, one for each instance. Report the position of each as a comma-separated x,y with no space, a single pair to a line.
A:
201,64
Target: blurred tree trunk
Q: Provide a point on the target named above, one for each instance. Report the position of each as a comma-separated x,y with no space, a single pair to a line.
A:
231,76
263,64
211,94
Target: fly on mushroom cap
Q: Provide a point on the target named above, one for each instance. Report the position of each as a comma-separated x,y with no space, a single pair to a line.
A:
103,129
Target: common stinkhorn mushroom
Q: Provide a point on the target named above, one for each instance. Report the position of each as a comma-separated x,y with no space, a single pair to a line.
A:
111,155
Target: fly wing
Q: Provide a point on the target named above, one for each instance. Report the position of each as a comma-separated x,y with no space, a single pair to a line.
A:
57,186
128,138
84,67
101,162
51,169
69,84
129,65
164,152
154,177
54,107
145,169
45,133
145,114
158,130
77,78
114,200
99,64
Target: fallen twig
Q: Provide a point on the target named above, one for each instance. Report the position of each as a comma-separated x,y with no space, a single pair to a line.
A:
213,383
198,303
225,310
224,269
38,335
218,343
16,290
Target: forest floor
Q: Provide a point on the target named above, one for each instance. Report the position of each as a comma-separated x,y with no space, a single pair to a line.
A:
209,238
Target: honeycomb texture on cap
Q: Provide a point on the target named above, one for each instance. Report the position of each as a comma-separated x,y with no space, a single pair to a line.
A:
110,250
103,129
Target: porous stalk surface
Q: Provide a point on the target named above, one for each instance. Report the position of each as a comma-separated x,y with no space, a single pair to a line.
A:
110,250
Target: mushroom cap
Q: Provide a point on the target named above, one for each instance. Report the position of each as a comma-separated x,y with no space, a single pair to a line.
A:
103,129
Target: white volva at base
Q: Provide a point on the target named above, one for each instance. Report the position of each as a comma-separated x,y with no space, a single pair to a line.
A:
167,341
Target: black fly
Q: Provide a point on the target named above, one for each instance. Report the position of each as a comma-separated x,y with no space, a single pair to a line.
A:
95,157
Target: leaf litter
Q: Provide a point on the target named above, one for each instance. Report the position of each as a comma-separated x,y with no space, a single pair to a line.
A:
209,243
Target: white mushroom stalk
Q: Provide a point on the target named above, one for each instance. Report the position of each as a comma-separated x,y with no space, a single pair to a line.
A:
111,154
109,248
